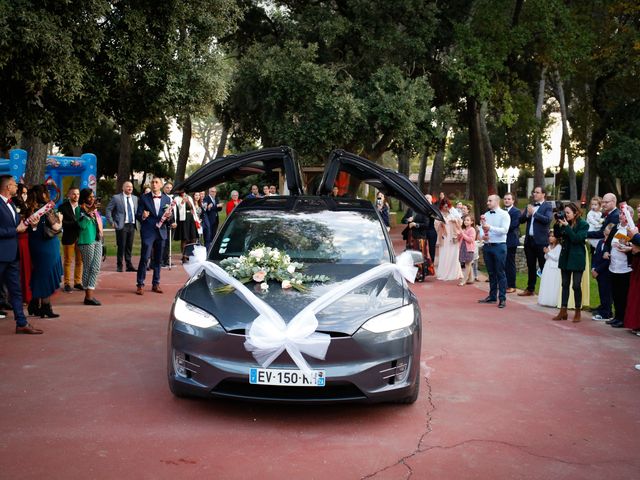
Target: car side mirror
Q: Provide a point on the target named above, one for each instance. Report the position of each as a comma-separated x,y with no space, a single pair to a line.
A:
416,256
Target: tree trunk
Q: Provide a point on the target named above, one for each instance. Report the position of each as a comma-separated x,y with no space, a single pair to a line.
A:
422,173
124,161
488,152
437,171
183,156
223,141
477,164
566,138
538,171
76,151
36,159
403,162
588,186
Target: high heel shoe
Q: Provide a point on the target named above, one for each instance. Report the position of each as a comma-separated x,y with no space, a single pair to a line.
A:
33,308
46,311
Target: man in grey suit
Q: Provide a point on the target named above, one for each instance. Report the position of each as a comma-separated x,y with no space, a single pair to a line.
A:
121,213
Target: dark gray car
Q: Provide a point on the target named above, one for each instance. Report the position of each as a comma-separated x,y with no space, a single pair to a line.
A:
375,330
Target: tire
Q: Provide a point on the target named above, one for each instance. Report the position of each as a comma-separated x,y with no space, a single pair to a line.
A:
411,399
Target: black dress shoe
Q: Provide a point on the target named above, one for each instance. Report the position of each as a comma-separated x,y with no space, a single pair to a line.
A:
131,269
502,304
118,269
618,324
78,286
92,301
613,320
487,300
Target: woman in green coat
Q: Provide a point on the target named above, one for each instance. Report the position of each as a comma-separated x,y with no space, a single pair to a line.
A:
573,258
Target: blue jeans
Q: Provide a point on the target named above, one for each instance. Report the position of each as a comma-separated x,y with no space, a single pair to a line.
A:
495,257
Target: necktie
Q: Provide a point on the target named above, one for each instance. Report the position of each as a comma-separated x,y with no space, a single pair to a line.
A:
129,210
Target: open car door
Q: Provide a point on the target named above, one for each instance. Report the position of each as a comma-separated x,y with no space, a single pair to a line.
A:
344,166
231,167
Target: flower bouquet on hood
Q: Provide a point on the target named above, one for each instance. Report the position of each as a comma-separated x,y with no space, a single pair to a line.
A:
262,264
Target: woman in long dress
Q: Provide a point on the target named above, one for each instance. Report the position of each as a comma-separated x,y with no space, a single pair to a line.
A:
551,282
448,267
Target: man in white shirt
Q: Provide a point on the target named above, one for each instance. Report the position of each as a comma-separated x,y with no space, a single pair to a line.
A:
495,226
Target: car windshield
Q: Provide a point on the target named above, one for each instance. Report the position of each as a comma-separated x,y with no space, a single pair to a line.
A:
320,236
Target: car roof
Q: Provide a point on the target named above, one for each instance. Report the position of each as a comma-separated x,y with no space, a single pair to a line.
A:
305,202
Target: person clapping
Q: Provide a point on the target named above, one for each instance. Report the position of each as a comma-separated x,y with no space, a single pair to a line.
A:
90,244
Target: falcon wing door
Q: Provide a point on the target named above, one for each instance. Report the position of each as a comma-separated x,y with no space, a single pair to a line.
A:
344,167
231,167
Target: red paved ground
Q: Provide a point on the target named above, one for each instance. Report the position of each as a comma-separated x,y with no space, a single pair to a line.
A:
508,394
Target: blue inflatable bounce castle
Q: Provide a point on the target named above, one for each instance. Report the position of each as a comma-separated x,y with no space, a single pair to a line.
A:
60,174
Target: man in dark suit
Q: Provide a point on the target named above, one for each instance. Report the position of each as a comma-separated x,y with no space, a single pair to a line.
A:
151,207
611,215
121,214
513,240
432,235
10,225
210,209
70,210
537,216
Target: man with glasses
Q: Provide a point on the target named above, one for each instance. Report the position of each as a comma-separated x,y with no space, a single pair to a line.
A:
537,216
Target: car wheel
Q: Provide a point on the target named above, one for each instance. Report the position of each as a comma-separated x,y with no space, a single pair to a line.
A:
413,397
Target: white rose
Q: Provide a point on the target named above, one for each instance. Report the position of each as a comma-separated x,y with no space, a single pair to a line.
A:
275,254
264,286
286,284
291,268
258,253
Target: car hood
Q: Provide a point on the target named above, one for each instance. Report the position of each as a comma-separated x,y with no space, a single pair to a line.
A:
343,317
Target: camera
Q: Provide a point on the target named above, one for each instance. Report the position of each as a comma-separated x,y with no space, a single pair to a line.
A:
559,215
558,211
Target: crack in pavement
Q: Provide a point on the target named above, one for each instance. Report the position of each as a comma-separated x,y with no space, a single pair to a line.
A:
418,449
524,449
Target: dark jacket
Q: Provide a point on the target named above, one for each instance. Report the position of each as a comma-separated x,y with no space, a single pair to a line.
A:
148,230
513,235
599,264
423,223
541,222
9,219
70,226
612,217
210,215
573,255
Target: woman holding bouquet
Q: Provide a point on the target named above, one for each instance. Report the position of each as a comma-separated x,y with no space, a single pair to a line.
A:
20,202
44,246
187,220
89,244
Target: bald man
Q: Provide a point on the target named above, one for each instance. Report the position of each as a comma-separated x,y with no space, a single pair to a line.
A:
495,226
611,215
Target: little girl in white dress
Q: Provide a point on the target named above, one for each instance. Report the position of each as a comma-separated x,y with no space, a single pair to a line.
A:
551,281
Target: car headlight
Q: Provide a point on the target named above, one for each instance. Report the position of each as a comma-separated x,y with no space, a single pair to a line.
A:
187,313
393,320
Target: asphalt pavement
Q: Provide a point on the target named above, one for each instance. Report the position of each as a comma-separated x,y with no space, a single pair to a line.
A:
505,394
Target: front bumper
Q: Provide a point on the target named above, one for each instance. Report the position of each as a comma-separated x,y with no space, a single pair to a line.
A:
364,367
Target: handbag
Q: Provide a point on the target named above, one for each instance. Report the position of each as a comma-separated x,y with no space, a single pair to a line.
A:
48,231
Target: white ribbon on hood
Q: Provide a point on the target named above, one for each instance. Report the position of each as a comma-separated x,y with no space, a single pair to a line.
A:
269,335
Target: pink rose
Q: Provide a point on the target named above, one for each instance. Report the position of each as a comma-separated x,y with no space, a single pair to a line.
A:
259,276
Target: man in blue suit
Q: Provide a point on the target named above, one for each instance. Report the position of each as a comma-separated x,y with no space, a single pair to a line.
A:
10,225
151,207
513,240
537,216
210,208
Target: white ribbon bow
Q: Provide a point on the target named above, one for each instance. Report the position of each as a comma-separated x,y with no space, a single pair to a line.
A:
269,335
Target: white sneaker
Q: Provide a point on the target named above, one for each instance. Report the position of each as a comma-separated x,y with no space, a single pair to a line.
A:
638,366
599,318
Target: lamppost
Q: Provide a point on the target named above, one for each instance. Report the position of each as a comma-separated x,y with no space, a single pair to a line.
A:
555,170
508,175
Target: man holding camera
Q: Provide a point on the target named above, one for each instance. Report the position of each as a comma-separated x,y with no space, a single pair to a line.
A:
538,216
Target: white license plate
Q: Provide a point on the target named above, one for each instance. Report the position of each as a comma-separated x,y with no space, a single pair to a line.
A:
288,378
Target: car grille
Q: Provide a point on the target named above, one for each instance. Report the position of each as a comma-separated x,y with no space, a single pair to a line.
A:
332,391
